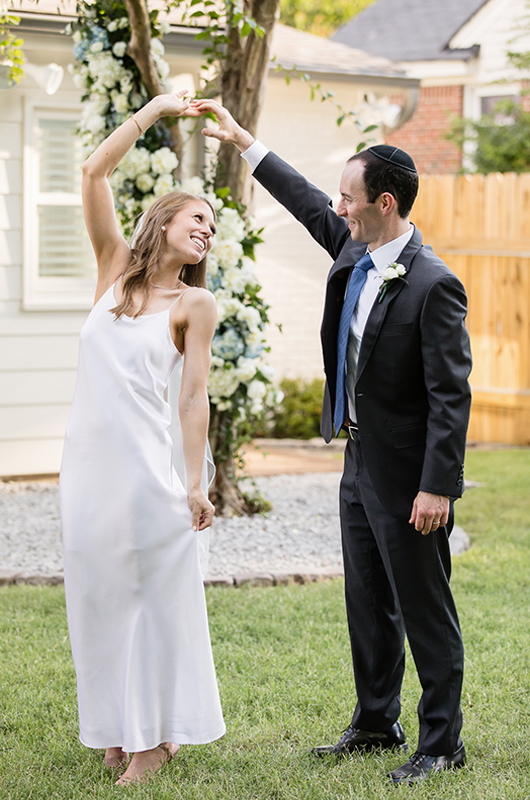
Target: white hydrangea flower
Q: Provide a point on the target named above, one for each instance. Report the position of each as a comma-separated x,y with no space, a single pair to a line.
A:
146,201
80,82
235,279
135,162
215,201
255,343
163,185
145,182
230,225
121,104
119,49
165,27
95,123
126,83
116,180
96,47
163,160
157,47
212,264
256,390
123,22
267,371
112,26
77,37
217,361
192,185
163,68
105,69
227,308
246,368
223,405
278,396
222,382
229,252
256,408
251,316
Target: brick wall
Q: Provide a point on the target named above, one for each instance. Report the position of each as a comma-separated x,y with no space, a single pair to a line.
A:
422,136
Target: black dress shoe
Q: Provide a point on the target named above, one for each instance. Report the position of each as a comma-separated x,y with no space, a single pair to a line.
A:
420,766
355,739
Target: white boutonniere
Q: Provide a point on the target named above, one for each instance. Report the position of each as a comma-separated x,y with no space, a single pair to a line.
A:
393,272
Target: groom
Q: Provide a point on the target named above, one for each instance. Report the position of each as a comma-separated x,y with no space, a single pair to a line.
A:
397,359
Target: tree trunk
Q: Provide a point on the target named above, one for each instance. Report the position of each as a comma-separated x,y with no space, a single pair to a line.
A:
139,50
243,77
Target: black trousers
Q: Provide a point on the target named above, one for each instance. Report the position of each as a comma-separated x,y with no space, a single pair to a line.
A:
397,584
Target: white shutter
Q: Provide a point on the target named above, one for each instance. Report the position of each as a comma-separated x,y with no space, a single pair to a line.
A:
64,246
59,265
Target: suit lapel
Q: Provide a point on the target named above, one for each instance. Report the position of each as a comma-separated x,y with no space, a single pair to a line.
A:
379,309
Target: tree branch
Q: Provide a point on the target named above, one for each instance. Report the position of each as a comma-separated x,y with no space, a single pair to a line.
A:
139,50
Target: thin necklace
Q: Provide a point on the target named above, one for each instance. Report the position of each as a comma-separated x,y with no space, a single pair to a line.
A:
166,288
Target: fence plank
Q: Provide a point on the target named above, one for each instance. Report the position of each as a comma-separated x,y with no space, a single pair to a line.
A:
480,226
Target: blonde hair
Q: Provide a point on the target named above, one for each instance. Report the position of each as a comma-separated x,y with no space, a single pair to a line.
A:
146,249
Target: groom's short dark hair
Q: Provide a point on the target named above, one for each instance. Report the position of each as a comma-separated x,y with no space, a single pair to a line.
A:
382,176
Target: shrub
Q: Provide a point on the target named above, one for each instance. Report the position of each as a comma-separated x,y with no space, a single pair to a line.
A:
298,415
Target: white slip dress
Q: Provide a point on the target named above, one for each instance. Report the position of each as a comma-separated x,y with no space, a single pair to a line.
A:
134,592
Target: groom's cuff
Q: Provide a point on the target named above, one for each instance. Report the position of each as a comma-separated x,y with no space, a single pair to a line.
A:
255,154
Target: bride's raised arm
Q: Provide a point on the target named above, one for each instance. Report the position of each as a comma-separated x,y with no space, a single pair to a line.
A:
110,248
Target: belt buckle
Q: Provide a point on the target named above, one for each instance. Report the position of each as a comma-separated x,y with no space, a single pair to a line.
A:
353,432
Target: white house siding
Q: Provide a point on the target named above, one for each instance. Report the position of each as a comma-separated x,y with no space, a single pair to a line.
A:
497,28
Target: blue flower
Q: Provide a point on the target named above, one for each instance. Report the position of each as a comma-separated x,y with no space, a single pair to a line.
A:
228,345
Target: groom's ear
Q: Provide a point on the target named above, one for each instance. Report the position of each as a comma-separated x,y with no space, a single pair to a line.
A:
387,203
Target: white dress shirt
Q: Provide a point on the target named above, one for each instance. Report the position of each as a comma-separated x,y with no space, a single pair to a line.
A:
382,258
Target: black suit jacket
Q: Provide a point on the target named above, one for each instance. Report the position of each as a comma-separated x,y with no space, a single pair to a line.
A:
412,394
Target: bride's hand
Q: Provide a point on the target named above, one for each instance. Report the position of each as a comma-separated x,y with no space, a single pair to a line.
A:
176,105
202,510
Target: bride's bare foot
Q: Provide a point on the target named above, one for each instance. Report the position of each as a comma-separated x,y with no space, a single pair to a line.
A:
115,757
147,763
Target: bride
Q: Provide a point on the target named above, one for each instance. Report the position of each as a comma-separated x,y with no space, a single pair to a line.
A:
135,598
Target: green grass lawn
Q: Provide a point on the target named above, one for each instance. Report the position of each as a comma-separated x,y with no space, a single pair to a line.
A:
285,678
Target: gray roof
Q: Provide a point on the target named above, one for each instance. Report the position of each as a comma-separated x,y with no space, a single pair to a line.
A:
410,30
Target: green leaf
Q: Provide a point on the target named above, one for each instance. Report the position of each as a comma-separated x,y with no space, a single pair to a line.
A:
360,147
341,119
370,128
245,30
223,192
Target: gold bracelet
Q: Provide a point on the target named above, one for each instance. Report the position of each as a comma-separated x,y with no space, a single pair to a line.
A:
137,124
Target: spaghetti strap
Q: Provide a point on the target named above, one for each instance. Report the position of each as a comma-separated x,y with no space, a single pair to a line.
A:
178,298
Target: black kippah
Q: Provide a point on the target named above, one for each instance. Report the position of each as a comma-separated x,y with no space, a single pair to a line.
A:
394,156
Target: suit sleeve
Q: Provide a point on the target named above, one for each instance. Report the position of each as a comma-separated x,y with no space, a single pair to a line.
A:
308,204
447,364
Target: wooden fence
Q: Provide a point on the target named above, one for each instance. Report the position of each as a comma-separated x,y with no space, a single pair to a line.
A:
480,226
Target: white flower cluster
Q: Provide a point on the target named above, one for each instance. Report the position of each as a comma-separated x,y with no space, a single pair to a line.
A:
110,97
395,270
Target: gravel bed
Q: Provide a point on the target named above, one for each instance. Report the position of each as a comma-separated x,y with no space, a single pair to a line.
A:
300,534
302,530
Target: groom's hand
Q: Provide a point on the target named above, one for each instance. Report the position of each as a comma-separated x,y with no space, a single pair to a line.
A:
229,130
429,512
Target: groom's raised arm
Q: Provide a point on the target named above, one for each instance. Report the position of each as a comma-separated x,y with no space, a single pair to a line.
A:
308,204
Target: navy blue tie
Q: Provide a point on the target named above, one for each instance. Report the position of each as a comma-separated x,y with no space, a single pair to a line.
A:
357,281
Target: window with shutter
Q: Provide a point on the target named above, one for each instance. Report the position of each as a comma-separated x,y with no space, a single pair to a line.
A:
59,265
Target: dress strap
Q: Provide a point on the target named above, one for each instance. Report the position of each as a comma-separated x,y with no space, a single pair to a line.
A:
178,298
